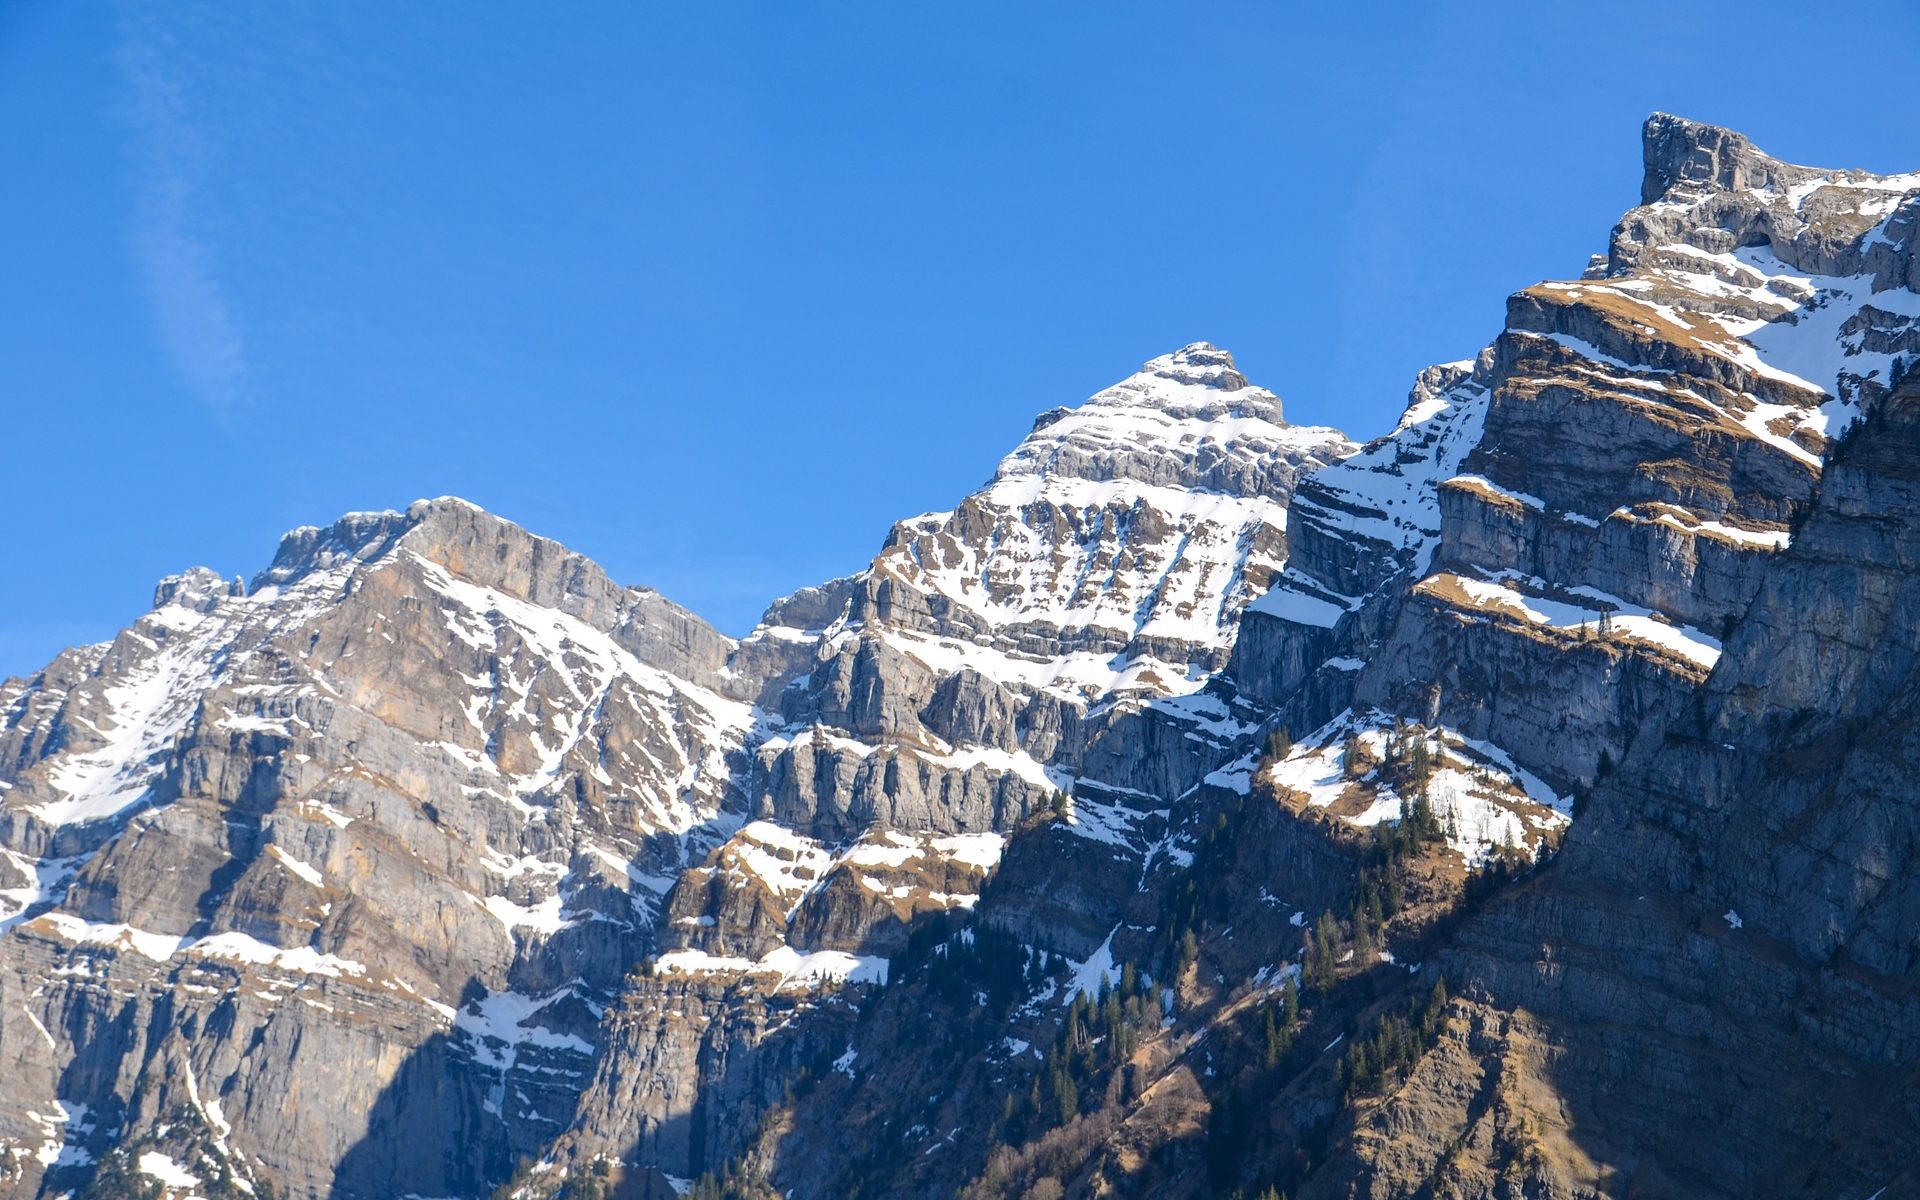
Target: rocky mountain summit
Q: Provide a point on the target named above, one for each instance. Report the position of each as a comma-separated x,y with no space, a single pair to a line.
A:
1511,805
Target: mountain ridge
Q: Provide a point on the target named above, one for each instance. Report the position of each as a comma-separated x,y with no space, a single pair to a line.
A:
1268,728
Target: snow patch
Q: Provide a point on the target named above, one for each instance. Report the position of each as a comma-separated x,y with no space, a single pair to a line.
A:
294,865
788,967
167,1171
238,947
1097,966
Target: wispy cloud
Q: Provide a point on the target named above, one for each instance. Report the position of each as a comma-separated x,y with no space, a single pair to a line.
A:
192,312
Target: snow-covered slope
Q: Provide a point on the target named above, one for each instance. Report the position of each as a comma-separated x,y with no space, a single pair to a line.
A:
1114,547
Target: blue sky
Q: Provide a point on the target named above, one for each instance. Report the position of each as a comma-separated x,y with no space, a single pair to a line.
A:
715,293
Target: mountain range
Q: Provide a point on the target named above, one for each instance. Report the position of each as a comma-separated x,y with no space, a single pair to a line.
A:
1516,804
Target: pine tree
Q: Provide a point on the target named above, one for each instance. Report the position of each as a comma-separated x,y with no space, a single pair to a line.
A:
1325,931
1066,1095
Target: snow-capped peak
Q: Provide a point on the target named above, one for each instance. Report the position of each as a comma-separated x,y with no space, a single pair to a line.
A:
1197,380
1201,363
1188,419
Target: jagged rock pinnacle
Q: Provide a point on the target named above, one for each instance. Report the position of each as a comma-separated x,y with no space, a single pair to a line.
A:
1678,151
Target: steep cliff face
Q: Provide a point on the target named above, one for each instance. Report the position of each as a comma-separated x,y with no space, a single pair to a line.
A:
1710,990
1106,834
1713,989
1638,443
